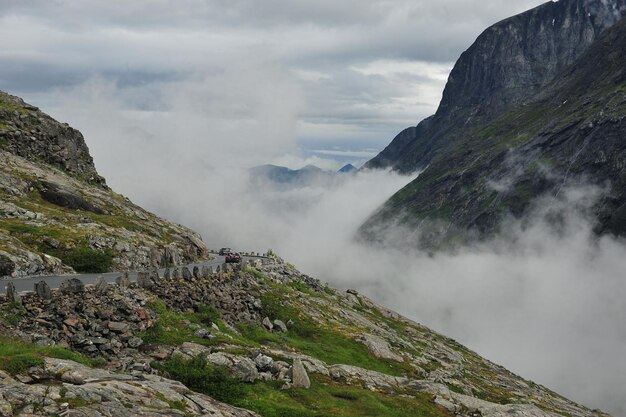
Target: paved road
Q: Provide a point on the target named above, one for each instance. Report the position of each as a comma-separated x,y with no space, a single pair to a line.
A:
54,281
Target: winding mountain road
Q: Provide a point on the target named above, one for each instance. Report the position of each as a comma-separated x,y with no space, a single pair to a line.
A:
54,281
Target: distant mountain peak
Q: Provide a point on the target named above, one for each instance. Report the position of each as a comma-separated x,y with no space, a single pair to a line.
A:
347,168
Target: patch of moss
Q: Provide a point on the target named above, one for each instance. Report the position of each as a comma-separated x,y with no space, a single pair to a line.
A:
17,356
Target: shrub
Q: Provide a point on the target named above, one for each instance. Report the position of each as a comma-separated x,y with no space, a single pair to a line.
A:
85,259
197,374
207,314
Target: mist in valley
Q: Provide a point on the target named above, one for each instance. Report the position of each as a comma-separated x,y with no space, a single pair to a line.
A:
544,298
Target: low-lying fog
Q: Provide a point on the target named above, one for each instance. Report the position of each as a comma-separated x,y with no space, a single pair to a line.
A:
547,305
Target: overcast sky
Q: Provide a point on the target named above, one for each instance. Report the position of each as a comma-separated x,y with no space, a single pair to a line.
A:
350,74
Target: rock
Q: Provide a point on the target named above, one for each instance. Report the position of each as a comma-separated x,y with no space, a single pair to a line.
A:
118,327
123,281
279,325
98,392
380,348
245,370
186,274
263,362
7,266
53,243
203,333
101,286
135,342
219,359
72,286
299,377
12,294
193,349
154,276
42,289
71,322
442,402
144,281
371,379
267,323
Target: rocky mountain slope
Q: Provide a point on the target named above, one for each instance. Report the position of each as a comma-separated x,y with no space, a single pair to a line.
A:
56,212
534,105
262,337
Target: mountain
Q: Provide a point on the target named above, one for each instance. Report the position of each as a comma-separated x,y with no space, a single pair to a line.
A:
534,105
347,168
57,213
253,340
283,178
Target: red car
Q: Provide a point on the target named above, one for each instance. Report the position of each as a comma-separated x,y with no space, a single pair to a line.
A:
232,257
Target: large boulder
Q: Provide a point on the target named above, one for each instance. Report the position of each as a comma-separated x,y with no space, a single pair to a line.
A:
72,286
42,289
380,348
7,266
299,377
245,370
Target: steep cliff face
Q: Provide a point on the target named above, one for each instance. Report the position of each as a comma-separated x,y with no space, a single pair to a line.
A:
507,65
570,133
27,132
56,212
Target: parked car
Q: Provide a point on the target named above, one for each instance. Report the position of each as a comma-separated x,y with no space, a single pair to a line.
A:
225,251
232,257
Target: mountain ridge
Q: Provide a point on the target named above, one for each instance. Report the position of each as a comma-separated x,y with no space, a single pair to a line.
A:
503,67
532,148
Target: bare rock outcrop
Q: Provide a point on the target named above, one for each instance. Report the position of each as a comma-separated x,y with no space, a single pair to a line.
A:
97,392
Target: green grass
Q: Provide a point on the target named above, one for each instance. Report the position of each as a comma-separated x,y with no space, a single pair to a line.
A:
257,274
17,356
170,327
18,227
302,287
324,398
314,339
12,314
198,375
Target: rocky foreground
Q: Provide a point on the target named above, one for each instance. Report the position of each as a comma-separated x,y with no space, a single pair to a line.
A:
260,337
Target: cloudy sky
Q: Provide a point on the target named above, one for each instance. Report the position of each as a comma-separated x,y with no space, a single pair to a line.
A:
340,77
